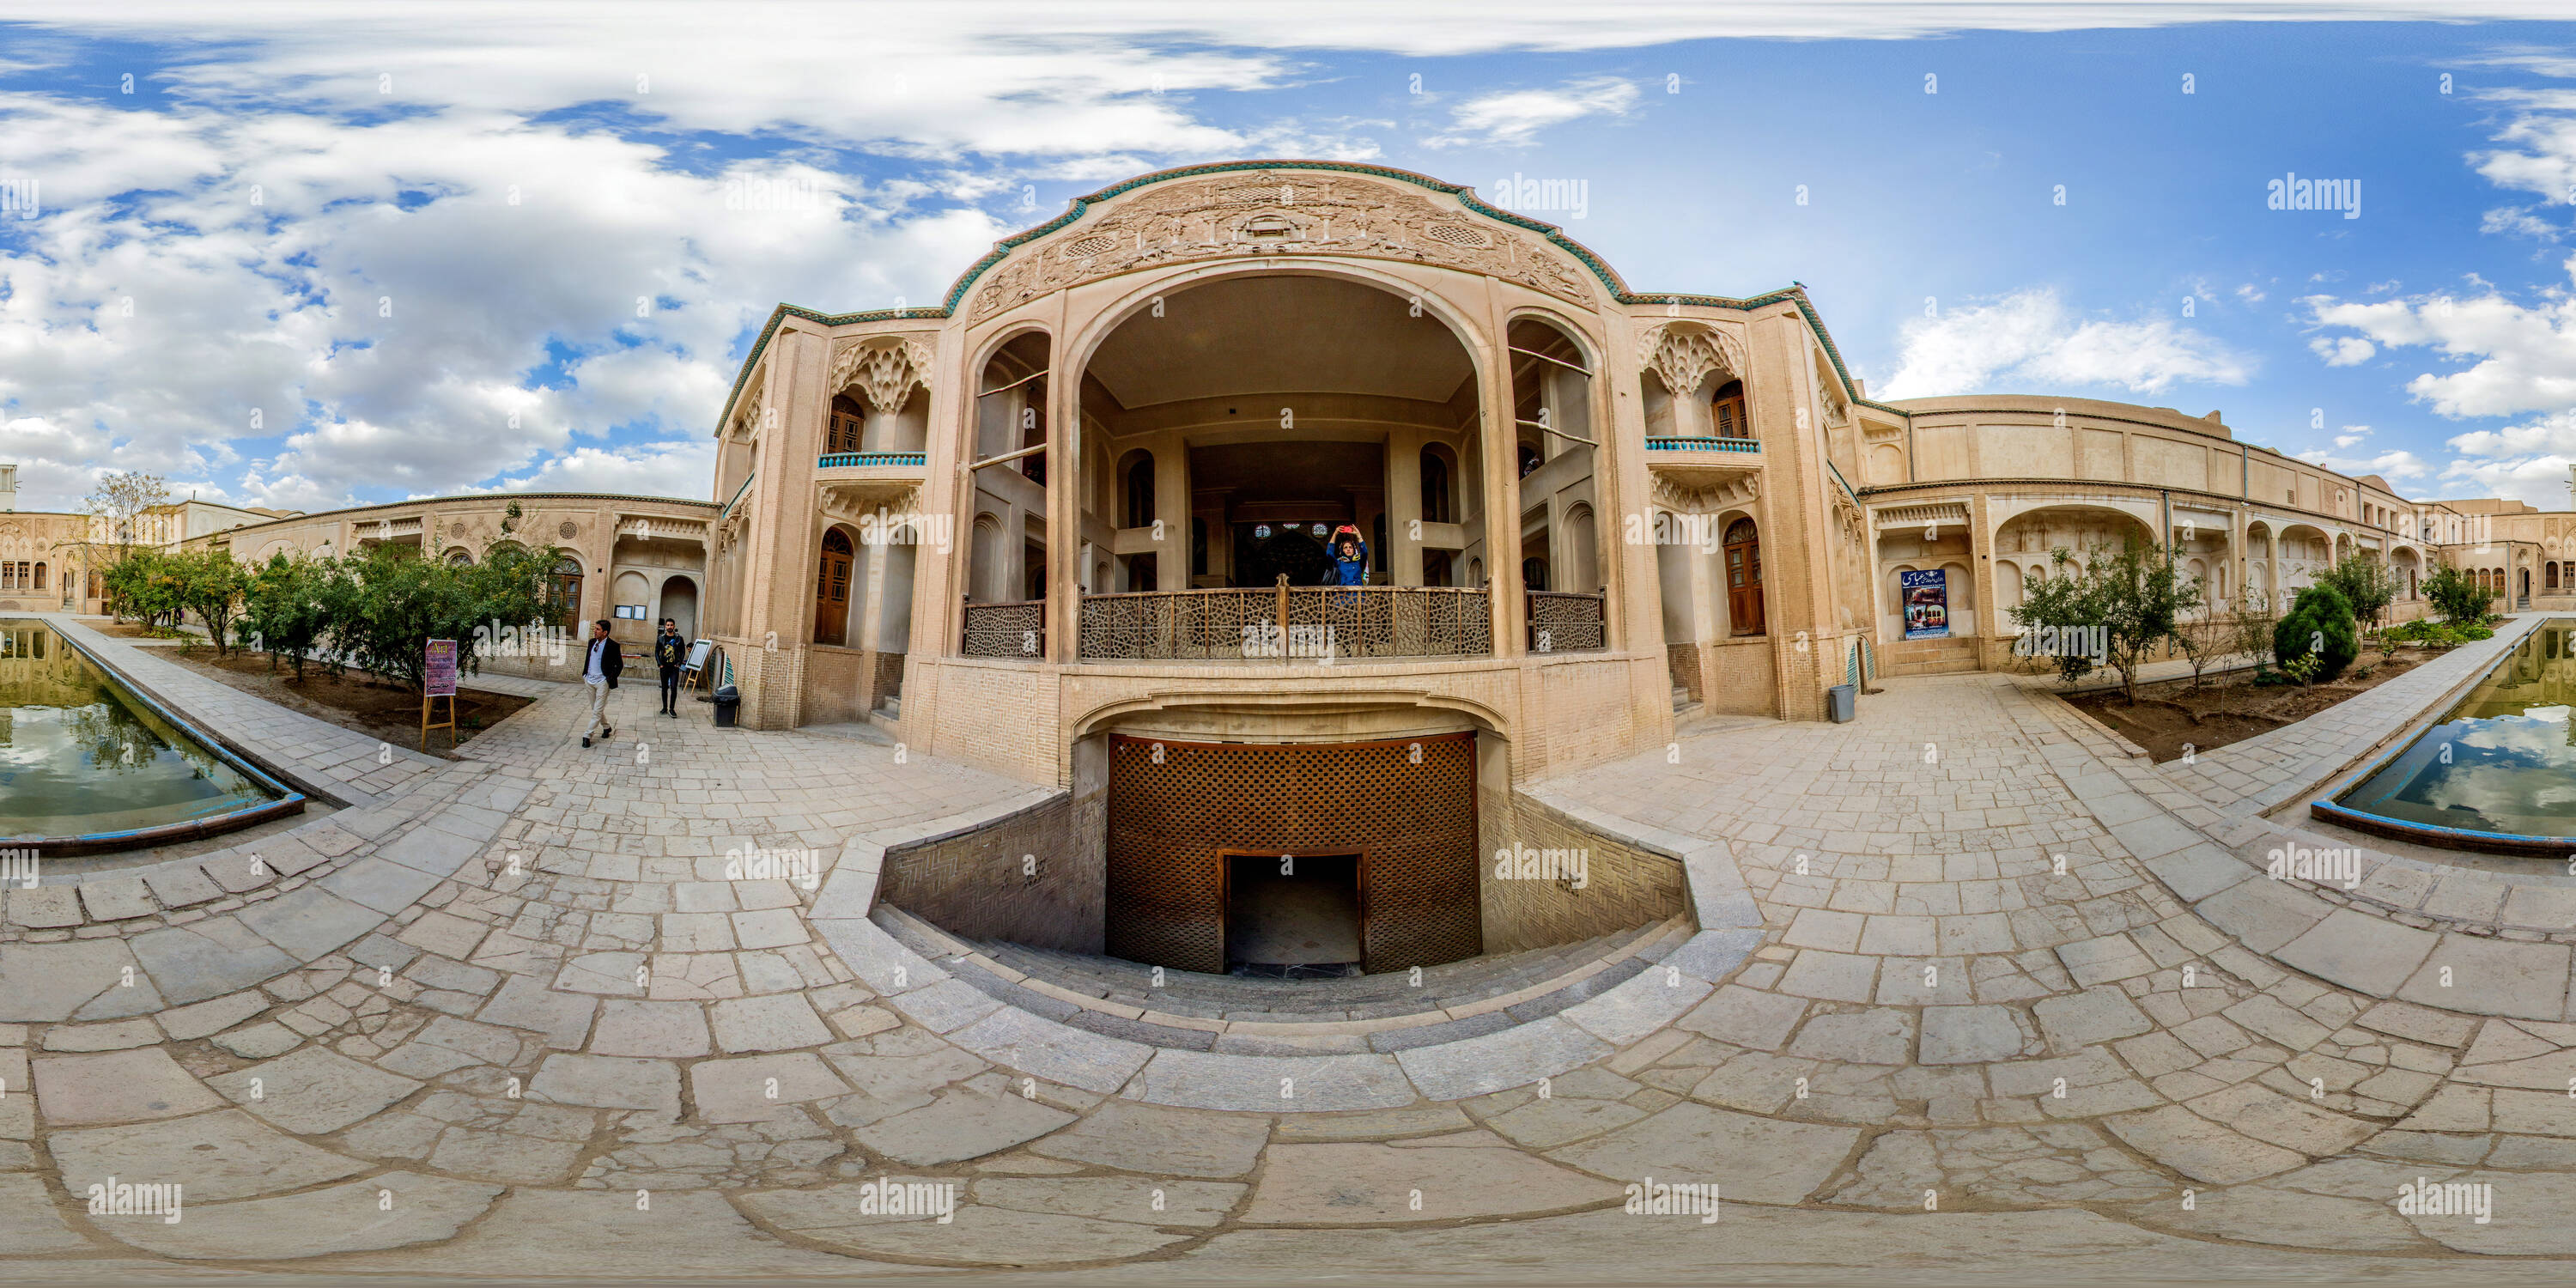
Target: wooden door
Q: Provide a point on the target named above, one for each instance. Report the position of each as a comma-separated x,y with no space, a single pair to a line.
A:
832,590
1743,578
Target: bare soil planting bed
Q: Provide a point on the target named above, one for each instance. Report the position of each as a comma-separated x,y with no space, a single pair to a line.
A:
2232,708
353,700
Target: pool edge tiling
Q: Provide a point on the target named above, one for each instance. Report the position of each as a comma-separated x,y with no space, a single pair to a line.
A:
2332,809
285,801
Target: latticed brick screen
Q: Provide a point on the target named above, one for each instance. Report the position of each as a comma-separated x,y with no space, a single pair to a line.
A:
1413,824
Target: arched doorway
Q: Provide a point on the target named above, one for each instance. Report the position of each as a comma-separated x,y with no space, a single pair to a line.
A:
1743,554
832,590
680,604
564,596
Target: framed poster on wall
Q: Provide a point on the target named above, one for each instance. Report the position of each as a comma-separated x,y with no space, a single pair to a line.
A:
1927,604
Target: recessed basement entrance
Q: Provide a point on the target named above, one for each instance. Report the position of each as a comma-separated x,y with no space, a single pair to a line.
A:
1292,916
1380,839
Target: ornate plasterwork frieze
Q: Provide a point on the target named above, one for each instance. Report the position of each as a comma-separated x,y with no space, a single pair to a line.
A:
1667,493
882,368
1682,354
1267,211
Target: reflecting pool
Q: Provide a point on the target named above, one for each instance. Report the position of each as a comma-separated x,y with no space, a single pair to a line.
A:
81,755
2501,761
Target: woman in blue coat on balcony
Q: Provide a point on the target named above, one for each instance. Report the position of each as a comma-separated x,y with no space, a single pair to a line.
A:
1350,559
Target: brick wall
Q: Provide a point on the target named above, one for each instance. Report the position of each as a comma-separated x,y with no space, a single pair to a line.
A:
1624,887
836,685
978,884
1737,677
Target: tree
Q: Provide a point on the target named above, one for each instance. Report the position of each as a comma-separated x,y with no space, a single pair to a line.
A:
2249,632
210,584
2318,625
282,609
147,584
2364,582
381,609
2051,610
2457,596
2133,597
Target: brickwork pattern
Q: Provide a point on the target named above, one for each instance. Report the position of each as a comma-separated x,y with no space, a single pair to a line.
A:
1623,887
1023,878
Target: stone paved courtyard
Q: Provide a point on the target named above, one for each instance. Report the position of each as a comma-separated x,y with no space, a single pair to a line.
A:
1979,995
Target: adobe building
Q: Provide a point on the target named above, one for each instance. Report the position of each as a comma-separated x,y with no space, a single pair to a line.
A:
1072,526
630,559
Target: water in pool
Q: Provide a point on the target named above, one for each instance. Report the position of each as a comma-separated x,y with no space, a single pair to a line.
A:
2503,759
79,755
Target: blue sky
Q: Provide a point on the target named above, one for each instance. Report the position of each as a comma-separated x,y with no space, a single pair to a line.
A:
320,256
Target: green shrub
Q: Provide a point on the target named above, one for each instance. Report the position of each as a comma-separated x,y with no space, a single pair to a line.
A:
2319,623
2457,596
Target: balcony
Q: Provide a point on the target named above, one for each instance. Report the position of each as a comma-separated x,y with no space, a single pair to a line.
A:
857,482
1016,629
1560,622
1288,623
1703,462
872,460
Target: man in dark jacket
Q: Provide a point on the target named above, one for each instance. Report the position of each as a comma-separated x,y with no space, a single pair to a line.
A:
669,651
600,667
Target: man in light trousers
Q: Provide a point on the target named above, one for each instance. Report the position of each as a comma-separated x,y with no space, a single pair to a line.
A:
600,669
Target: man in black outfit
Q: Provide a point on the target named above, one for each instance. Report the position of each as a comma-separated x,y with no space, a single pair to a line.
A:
669,651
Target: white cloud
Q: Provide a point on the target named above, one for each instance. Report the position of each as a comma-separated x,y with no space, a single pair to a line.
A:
2027,338
2520,358
2351,434
2394,466
1513,118
681,467
2540,480
2344,350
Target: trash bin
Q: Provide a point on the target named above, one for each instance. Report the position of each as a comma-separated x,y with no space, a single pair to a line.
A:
1845,697
729,700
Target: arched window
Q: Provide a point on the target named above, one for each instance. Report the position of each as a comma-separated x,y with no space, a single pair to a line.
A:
40,576
1436,507
564,595
1534,573
832,589
460,556
1582,552
1529,459
849,425
1140,491
1726,411
1743,578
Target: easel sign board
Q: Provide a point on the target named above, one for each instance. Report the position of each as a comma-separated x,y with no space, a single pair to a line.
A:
438,669
438,680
